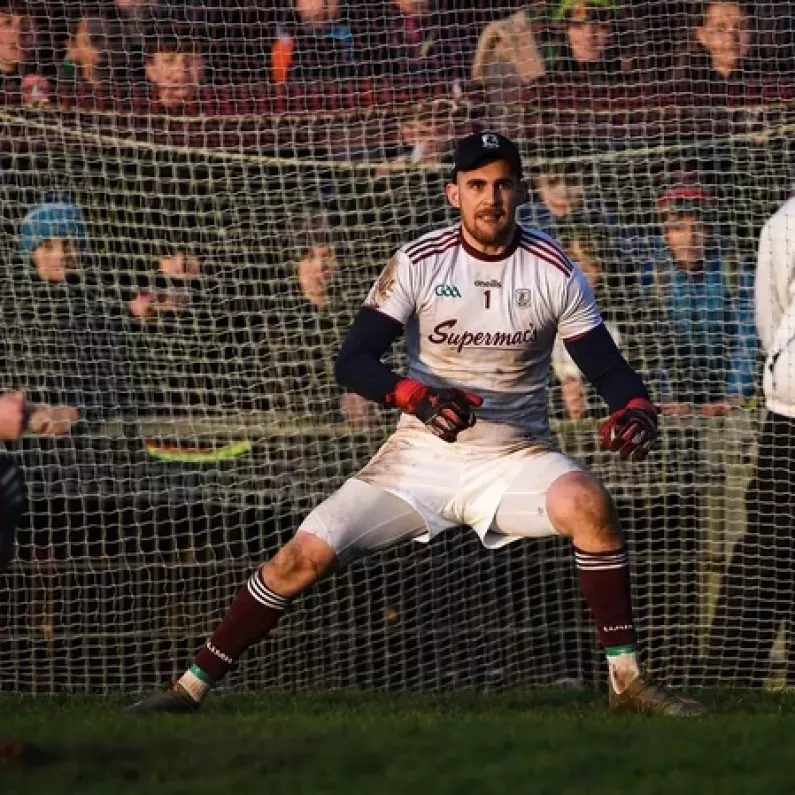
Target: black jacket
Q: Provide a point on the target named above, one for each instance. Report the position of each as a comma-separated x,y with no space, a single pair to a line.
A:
63,343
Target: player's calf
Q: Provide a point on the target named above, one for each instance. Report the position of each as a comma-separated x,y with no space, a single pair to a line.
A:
581,509
253,614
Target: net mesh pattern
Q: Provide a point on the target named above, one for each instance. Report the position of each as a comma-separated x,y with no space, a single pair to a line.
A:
227,159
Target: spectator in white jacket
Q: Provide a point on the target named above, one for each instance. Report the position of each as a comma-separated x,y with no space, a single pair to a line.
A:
757,599
775,309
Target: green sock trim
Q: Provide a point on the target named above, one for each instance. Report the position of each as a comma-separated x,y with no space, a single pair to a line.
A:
614,651
197,672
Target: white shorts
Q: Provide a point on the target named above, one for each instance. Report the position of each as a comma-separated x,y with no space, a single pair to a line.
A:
416,485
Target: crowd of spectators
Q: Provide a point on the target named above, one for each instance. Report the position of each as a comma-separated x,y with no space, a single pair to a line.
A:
676,273
169,50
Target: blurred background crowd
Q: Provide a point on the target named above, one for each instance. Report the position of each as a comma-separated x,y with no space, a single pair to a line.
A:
165,53
698,207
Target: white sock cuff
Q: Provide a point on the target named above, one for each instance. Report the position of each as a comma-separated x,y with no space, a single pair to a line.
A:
599,561
264,595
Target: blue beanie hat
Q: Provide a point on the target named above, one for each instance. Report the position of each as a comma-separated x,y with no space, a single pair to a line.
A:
50,220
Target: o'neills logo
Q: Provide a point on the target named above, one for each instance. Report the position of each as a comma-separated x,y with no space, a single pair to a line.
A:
218,653
490,283
443,334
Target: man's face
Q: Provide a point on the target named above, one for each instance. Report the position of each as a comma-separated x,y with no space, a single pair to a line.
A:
560,194
724,35
316,269
588,38
589,265
685,236
10,41
317,12
174,75
487,198
54,258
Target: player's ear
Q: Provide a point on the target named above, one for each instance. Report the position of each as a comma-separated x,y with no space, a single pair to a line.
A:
452,194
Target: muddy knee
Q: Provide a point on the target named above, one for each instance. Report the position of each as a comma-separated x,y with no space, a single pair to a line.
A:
297,565
579,507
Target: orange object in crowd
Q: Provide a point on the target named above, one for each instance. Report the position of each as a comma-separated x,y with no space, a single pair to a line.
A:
282,58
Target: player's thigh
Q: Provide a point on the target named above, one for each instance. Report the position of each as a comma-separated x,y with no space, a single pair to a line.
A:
360,518
522,511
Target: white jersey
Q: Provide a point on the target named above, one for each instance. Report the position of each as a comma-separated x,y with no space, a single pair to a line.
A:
486,324
775,308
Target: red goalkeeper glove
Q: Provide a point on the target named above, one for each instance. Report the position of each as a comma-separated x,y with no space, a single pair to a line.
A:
446,412
632,431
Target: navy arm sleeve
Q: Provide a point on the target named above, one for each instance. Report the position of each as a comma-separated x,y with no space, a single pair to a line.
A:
358,366
600,361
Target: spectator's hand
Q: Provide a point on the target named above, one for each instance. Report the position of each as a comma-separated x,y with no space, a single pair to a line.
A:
358,411
11,412
179,266
573,395
35,91
42,419
145,306
48,420
674,409
142,306
720,408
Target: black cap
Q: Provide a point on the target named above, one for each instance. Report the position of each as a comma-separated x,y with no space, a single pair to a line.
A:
482,148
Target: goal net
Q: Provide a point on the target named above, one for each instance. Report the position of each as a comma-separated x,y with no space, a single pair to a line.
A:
197,196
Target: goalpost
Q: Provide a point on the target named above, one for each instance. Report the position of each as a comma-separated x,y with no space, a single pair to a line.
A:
215,424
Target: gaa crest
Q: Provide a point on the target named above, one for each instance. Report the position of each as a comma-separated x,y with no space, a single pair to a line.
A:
385,283
522,297
490,141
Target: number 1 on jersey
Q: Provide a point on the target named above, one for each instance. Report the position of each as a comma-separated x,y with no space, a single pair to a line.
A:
487,298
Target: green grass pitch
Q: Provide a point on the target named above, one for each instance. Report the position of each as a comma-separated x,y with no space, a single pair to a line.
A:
542,742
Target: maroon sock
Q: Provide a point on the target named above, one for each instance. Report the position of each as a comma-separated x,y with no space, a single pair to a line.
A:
254,612
604,579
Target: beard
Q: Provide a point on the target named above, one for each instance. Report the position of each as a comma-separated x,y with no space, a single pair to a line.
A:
491,228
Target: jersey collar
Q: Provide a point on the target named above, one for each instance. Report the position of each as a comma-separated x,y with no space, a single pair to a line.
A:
473,252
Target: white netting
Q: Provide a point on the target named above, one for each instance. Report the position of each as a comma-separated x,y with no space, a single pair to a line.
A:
212,147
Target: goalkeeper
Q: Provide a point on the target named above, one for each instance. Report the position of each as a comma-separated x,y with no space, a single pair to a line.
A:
480,304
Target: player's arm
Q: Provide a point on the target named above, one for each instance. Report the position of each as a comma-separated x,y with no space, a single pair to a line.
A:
598,358
359,367
18,416
631,429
